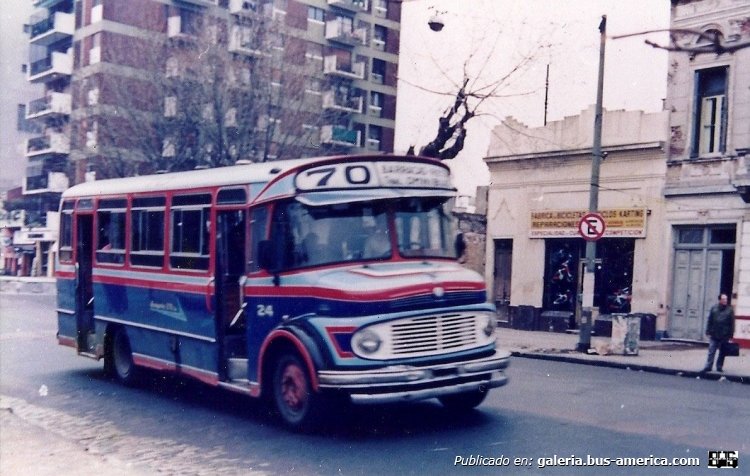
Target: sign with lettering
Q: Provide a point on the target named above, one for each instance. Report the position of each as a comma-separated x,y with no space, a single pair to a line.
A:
386,174
620,223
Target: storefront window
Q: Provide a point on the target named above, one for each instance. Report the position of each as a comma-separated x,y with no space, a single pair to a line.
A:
613,281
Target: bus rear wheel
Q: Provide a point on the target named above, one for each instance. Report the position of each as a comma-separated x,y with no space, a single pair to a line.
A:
464,401
298,406
119,358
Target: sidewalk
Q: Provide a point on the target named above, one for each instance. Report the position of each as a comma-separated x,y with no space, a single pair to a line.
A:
665,357
27,285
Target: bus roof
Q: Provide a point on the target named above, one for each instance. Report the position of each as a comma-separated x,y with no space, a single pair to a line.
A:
281,174
218,177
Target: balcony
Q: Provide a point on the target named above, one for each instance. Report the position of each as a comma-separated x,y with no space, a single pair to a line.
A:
178,30
242,42
372,145
339,135
243,7
49,182
350,5
200,3
718,174
375,111
53,144
52,67
332,67
53,105
52,28
48,3
341,32
338,102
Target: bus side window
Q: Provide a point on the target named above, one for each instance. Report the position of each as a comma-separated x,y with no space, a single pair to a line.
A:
190,225
258,227
66,236
111,236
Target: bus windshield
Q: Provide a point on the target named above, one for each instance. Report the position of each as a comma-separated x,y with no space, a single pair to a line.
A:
320,235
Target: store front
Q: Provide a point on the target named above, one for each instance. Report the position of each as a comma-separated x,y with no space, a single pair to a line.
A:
613,277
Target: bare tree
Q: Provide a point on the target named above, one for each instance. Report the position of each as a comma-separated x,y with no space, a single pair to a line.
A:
206,95
466,101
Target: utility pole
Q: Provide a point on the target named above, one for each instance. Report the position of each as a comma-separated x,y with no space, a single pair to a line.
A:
584,342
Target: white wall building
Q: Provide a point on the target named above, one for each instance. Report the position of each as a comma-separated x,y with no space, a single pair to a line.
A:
539,190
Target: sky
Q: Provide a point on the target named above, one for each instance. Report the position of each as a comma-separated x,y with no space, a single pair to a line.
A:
513,41
490,37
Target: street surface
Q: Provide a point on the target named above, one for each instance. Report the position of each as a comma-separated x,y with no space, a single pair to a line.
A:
172,426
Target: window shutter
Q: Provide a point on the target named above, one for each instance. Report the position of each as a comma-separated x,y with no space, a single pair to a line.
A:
695,117
724,119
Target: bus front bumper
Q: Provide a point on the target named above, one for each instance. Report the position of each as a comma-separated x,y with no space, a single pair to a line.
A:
403,383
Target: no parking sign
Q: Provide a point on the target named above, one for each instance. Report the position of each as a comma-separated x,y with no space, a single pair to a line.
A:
591,226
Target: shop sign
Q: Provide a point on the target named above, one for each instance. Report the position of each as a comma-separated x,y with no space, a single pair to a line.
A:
12,218
620,223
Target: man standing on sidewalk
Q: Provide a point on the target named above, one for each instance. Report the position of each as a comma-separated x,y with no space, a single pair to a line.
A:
720,329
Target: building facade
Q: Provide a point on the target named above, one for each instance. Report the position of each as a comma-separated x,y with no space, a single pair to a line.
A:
707,188
539,190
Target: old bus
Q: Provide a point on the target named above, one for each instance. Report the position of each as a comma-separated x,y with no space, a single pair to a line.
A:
300,281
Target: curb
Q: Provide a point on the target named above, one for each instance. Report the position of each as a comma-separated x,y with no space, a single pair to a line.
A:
637,367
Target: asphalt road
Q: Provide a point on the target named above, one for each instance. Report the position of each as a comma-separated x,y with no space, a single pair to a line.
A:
548,410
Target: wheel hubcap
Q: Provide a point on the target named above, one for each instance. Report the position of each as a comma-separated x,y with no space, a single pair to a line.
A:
293,388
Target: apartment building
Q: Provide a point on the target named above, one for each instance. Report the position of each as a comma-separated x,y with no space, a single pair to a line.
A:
136,86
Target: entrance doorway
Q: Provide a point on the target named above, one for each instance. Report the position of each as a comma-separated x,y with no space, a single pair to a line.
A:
703,268
502,274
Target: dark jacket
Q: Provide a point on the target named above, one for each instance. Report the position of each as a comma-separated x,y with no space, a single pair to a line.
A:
720,322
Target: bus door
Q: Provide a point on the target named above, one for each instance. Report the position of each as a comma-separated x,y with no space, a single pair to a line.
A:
84,285
230,268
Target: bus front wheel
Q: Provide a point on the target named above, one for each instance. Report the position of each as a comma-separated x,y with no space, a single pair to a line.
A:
294,399
119,358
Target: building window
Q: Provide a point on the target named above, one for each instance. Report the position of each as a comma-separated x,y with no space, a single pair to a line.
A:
23,124
316,14
95,53
378,71
710,111
379,37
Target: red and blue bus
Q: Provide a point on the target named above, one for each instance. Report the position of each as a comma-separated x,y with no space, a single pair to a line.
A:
302,281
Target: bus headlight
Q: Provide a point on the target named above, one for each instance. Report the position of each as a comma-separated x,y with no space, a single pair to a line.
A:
366,342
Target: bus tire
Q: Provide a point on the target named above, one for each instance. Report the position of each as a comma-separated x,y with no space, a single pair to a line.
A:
118,360
461,402
294,400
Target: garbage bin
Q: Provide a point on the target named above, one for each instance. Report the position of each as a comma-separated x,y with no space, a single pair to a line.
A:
648,325
603,325
523,318
626,331
555,321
